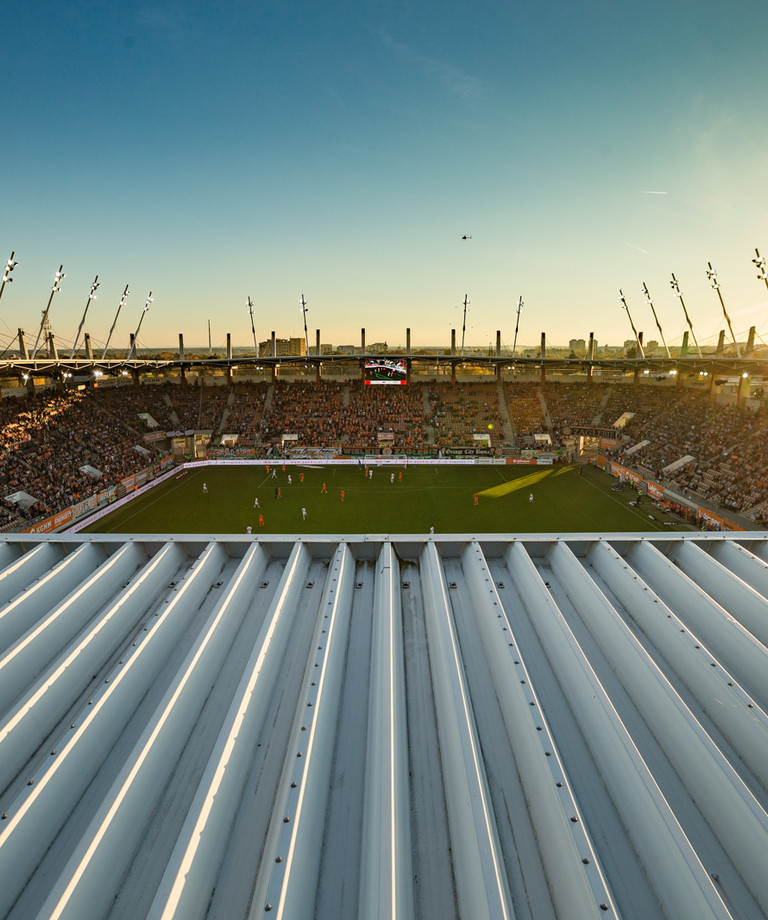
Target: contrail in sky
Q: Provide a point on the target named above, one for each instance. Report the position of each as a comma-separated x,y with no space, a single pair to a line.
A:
652,193
632,246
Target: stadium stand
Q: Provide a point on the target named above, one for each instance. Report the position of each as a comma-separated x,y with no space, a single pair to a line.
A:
702,448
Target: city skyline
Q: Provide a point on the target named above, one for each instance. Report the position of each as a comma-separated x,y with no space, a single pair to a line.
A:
343,154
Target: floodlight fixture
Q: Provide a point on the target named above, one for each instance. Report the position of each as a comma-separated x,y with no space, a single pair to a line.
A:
144,309
306,334
648,300
57,279
760,266
9,267
677,293
625,306
712,275
249,304
464,323
114,322
91,296
517,323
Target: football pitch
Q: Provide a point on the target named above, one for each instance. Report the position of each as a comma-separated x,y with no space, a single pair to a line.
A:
394,499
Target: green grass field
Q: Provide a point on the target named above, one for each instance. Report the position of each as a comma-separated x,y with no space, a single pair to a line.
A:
443,497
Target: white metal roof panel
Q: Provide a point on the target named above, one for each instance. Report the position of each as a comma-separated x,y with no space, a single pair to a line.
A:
388,727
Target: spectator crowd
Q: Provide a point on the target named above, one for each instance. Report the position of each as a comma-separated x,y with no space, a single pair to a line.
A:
48,439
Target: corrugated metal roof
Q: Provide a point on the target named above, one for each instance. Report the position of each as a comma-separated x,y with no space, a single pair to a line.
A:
431,727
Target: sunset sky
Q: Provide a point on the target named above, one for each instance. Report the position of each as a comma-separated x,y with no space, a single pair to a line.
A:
212,152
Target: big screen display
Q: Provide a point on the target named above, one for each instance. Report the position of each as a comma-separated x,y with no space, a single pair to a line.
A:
385,370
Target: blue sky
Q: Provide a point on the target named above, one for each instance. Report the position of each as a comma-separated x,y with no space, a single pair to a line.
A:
211,152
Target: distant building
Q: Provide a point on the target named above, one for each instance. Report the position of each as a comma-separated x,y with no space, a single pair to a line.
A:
283,347
579,346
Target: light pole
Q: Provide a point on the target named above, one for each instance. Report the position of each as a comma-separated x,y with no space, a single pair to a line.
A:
9,267
464,323
91,296
759,265
58,278
517,323
629,316
676,292
306,334
712,275
249,304
114,322
147,302
658,324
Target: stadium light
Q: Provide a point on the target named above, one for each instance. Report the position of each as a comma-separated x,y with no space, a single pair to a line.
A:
306,334
759,264
114,321
9,267
712,275
249,305
91,296
629,316
648,300
57,279
147,302
676,292
517,324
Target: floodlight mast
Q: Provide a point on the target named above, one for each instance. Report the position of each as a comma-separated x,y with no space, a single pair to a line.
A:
114,322
464,323
9,267
517,323
629,315
147,302
712,275
676,292
306,334
658,324
91,296
249,304
58,278
759,265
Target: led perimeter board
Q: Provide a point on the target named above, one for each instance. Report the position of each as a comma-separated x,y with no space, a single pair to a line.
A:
385,370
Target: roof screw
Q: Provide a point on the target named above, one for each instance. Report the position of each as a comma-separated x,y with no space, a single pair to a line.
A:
585,860
574,819
286,820
279,859
294,784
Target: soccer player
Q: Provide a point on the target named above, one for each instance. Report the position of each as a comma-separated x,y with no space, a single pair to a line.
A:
249,529
261,520
342,494
530,496
323,489
391,477
290,480
304,514
205,488
256,502
476,498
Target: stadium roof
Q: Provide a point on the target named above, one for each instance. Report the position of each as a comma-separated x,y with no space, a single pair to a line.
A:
373,726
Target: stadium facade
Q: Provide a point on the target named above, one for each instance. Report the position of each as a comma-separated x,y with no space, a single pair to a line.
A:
384,726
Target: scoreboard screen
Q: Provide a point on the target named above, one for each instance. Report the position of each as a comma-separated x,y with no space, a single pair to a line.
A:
385,370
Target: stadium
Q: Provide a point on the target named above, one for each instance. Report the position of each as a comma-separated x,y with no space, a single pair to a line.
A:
282,638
